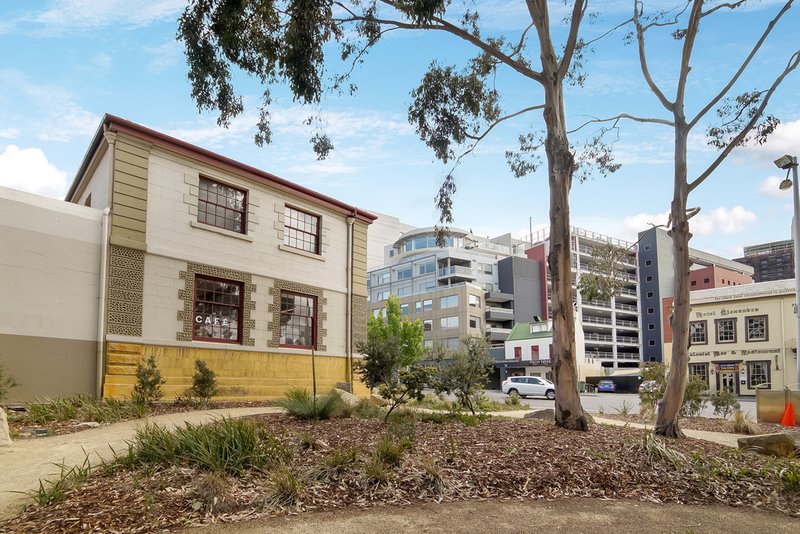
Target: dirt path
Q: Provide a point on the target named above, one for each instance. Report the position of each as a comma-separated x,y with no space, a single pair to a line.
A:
561,515
25,462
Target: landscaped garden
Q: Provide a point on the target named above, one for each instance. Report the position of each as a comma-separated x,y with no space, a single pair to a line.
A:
278,464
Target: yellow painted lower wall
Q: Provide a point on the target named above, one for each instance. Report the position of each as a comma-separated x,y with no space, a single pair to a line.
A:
241,375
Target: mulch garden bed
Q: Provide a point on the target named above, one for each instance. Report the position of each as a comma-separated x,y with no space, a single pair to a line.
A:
497,458
708,424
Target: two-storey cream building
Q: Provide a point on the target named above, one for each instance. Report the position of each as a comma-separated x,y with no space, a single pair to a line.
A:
742,337
208,258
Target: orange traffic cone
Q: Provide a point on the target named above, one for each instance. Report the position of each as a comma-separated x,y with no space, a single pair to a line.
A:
788,416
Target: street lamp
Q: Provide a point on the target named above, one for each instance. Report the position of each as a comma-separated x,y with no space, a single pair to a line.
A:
790,163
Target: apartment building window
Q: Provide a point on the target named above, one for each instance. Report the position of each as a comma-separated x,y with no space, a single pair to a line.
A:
450,301
427,325
217,308
426,268
451,343
404,309
647,247
383,295
449,322
382,278
427,286
699,370
486,268
298,320
651,311
301,230
427,304
726,330
649,294
427,343
652,343
694,282
757,374
651,327
648,263
706,280
474,301
474,322
221,205
403,274
756,328
418,307
698,332
380,312
403,291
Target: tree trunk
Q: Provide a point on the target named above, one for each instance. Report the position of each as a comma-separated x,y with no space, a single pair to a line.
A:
669,407
560,166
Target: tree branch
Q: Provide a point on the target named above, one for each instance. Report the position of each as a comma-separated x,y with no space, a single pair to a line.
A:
792,65
722,6
686,54
578,10
478,138
623,116
610,31
743,66
643,60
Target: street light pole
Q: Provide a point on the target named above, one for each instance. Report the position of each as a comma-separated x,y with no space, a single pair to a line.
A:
790,162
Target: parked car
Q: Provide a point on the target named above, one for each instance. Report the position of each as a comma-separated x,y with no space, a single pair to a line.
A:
607,386
529,385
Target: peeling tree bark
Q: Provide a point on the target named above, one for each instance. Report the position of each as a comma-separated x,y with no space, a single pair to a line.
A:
561,165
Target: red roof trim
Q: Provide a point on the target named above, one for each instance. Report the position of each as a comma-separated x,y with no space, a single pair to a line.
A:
119,124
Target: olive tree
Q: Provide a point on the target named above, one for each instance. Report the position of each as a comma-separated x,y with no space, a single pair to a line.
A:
453,109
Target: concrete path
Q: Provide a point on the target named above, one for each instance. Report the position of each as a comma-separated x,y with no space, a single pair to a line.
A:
27,461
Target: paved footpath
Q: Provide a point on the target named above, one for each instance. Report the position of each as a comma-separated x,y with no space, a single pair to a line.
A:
27,461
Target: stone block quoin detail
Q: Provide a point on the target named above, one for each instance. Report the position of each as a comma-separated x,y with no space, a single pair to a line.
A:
186,315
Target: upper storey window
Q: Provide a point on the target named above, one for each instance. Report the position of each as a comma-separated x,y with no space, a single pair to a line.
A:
301,230
222,206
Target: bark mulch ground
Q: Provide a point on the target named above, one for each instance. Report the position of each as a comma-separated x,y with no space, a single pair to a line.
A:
501,459
708,424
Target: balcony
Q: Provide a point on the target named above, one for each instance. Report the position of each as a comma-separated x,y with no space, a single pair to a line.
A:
622,323
497,334
628,356
596,320
628,340
599,354
597,303
498,297
626,307
499,314
604,338
457,273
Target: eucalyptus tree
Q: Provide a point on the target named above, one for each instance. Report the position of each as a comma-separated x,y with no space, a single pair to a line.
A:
454,107
738,119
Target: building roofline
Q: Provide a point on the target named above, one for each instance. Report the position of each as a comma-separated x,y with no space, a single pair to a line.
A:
117,124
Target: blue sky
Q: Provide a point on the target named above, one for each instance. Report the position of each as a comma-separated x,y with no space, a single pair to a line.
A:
66,62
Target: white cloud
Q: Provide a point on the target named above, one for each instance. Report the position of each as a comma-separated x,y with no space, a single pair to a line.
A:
164,56
9,133
27,169
54,115
784,140
719,220
770,188
72,16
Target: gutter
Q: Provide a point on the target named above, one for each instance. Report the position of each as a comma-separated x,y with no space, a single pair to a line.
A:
349,311
101,307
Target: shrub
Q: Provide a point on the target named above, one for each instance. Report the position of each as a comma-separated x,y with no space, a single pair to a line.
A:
652,389
390,451
376,472
743,424
513,400
148,383
724,403
52,491
286,486
694,397
7,381
204,382
335,464
212,493
226,445
465,371
299,403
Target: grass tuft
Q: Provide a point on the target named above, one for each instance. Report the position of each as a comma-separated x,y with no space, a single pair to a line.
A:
300,404
743,424
287,486
657,453
53,491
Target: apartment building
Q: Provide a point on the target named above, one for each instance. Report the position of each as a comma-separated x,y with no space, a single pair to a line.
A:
471,286
742,337
657,281
172,251
770,261
611,328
